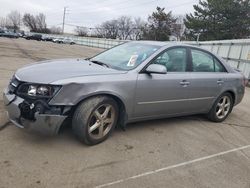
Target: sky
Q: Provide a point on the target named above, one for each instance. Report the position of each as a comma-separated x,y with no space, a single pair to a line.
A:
90,13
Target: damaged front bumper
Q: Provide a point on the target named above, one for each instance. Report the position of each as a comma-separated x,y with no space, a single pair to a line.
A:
46,124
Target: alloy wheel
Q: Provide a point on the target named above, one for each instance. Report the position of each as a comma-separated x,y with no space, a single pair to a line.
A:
101,121
223,107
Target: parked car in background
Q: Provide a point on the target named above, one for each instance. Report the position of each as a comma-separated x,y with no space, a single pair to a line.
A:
68,41
37,37
1,33
9,34
20,34
135,81
58,40
47,38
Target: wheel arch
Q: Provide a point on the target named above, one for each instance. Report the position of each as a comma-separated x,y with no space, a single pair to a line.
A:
232,93
122,118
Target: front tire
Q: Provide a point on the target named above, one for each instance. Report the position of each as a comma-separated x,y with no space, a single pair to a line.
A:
95,119
221,108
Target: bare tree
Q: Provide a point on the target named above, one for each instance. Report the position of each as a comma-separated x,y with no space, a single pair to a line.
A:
81,31
108,29
36,23
41,23
14,18
99,31
139,26
121,28
2,22
6,23
125,25
55,30
30,21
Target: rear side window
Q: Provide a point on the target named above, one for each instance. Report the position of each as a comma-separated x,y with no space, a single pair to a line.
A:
175,60
204,62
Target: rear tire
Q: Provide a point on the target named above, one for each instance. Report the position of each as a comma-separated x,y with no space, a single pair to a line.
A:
221,108
95,119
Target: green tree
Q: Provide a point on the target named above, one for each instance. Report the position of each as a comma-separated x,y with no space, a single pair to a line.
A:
159,25
219,19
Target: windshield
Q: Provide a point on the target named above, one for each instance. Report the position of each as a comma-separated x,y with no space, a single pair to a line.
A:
126,56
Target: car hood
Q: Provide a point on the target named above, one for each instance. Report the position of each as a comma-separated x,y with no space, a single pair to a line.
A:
54,70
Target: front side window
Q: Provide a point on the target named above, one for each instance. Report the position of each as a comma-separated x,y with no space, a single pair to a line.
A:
174,59
126,56
204,62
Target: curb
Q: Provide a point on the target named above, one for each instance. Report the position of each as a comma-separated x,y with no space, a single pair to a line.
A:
4,120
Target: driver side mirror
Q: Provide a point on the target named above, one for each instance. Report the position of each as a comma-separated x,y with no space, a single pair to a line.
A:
157,69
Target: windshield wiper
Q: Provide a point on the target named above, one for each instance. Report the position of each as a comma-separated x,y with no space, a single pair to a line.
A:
100,63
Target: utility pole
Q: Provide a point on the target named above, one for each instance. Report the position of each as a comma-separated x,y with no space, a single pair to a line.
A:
64,12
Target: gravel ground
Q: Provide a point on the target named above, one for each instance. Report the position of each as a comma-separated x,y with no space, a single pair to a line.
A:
177,152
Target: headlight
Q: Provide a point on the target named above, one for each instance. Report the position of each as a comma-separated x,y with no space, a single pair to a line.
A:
44,90
37,90
32,90
41,90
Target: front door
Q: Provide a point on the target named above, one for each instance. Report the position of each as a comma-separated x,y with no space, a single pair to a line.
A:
164,94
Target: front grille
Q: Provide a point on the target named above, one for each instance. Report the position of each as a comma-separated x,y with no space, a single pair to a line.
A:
13,85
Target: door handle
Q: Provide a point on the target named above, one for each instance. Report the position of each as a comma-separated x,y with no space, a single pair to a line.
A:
219,82
184,83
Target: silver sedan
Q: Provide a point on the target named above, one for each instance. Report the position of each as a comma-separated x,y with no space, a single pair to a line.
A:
131,82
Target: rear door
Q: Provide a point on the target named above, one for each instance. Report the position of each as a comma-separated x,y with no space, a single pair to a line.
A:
207,81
